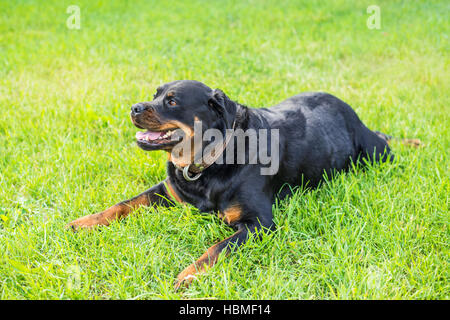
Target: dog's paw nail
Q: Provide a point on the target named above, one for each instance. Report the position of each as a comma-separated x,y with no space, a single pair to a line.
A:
184,282
178,284
72,227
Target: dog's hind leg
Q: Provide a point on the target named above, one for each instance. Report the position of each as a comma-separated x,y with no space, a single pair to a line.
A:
374,145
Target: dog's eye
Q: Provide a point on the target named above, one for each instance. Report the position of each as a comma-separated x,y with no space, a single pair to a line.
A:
172,102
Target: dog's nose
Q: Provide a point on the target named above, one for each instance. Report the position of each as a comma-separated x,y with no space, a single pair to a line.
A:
138,108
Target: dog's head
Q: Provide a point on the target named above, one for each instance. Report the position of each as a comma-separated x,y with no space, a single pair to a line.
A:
170,116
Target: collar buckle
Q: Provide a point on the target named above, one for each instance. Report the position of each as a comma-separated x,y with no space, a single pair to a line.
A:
189,178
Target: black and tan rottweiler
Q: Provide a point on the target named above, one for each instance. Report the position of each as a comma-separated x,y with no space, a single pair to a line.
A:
318,134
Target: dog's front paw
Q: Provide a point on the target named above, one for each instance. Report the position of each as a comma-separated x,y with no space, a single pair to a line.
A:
87,222
185,278
184,283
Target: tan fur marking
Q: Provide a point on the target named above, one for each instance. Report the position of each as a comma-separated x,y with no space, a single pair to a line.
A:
416,143
174,124
115,212
232,214
172,191
188,143
209,258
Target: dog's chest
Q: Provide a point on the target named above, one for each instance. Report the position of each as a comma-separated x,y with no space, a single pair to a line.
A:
206,196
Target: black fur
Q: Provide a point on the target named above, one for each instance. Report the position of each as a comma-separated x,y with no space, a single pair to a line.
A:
318,134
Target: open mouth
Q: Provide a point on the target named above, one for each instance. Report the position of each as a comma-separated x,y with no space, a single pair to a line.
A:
158,139
155,136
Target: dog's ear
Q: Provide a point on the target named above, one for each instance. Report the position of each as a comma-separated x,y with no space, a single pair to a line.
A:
223,106
217,100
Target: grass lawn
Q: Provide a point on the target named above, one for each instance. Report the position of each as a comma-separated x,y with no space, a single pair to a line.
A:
67,148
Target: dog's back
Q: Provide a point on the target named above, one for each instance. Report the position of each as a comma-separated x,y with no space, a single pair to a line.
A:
320,133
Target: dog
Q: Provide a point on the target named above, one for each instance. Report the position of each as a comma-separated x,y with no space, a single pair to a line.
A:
318,135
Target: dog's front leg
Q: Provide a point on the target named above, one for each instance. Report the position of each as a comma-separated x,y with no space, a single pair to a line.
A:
160,194
210,257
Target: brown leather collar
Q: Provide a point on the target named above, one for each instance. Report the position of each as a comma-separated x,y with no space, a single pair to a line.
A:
198,168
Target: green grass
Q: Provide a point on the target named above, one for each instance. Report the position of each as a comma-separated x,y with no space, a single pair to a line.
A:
67,148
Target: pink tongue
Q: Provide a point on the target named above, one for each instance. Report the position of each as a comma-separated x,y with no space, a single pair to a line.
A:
148,135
